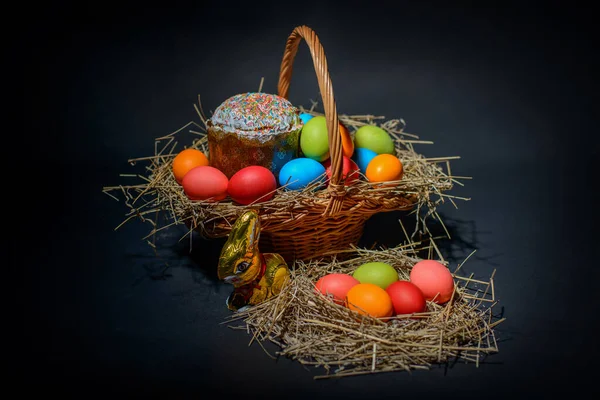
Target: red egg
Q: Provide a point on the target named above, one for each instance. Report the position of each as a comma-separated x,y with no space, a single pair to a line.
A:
434,279
336,285
350,171
205,183
406,297
252,184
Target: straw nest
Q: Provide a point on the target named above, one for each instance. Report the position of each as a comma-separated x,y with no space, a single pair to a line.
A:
318,333
422,187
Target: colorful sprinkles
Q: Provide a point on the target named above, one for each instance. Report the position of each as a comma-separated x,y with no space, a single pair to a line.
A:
256,113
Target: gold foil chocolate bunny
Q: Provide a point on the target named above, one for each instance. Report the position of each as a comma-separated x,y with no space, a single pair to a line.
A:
255,276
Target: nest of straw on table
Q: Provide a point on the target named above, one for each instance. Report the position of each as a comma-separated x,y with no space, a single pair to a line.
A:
307,327
423,185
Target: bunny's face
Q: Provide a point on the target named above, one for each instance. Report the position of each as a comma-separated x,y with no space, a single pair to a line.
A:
240,261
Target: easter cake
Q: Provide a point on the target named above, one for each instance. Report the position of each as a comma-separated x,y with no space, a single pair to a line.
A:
253,128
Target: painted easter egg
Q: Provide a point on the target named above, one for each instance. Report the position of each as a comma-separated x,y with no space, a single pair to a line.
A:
347,142
314,140
185,160
374,138
377,273
305,117
252,184
349,170
406,297
434,279
384,168
300,172
369,299
362,157
336,286
205,183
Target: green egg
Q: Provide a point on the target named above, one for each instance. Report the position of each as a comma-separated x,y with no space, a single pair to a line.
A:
314,141
374,138
377,273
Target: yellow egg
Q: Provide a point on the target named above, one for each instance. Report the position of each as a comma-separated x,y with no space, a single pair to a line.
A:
383,168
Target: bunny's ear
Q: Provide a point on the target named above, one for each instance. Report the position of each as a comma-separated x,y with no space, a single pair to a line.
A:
246,231
254,233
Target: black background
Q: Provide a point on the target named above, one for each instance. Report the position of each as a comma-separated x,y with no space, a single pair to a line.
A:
508,88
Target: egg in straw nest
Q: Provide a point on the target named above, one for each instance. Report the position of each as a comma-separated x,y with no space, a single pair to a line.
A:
327,336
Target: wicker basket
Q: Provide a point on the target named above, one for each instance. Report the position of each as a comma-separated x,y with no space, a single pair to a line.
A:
334,219
303,228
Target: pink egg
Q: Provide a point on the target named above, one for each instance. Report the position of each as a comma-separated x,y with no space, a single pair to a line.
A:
205,183
336,285
434,279
252,184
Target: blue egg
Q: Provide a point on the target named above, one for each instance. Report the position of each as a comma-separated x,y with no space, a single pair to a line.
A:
305,117
362,157
300,172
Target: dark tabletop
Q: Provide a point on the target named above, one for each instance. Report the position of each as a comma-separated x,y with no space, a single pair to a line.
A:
507,89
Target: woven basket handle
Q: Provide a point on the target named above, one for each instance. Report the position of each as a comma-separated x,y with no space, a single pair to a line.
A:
333,130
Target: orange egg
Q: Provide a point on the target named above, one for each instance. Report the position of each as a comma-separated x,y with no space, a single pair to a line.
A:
369,299
347,142
383,168
186,160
